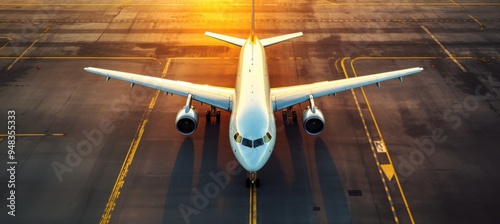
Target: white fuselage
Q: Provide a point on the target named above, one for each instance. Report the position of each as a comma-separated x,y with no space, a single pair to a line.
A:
252,128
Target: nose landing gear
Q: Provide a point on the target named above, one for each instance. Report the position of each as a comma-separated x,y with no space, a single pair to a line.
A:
289,113
252,179
213,112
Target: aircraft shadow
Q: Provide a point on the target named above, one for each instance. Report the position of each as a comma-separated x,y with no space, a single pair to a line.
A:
179,190
287,201
334,199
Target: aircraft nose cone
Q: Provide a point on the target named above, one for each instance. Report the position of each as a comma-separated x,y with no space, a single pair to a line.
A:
253,165
255,159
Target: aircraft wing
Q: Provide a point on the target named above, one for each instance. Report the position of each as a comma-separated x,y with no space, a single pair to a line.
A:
220,97
284,97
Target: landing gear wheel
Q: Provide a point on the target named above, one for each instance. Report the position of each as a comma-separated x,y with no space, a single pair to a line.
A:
248,183
289,113
208,116
217,116
252,180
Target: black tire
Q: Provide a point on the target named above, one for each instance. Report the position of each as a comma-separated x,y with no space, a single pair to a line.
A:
294,116
217,116
208,116
248,183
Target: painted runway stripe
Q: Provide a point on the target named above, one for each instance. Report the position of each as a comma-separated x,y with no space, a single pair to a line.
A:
27,49
384,167
120,180
252,213
374,152
444,49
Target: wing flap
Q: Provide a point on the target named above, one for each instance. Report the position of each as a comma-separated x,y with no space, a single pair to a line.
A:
288,96
220,97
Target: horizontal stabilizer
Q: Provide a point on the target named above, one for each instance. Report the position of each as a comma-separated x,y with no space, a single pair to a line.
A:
274,40
232,40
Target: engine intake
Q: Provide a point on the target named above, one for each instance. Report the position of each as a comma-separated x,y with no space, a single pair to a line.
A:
186,121
313,121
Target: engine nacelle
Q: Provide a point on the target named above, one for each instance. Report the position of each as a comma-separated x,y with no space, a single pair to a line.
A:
186,121
313,121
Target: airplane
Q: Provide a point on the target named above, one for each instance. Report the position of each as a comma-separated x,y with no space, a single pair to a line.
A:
252,103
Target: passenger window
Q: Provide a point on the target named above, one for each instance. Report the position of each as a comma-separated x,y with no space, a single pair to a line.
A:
247,142
258,142
267,137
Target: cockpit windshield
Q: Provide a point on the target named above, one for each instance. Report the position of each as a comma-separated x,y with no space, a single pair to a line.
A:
247,142
252,143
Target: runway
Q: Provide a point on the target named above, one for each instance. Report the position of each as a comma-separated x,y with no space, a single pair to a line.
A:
89,151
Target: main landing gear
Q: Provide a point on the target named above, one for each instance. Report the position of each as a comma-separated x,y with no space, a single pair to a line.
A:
213,112
289,113
252,179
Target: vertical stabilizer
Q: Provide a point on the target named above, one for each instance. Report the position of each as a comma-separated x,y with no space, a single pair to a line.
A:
253,18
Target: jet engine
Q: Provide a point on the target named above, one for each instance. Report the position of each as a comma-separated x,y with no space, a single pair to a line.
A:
313,120
186,120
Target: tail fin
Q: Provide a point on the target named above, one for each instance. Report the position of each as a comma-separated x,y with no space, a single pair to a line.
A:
265,42
253,19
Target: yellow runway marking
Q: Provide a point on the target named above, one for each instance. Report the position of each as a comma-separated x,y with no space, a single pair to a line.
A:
444,49
387,192
9,39
52,21
120,180
388,170
35,135
458,5
387,152
83,58
27,49
252,216
477,21
384,4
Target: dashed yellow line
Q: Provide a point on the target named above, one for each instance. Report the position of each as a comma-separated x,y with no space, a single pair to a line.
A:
444,49
120,180
408,210
374,152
